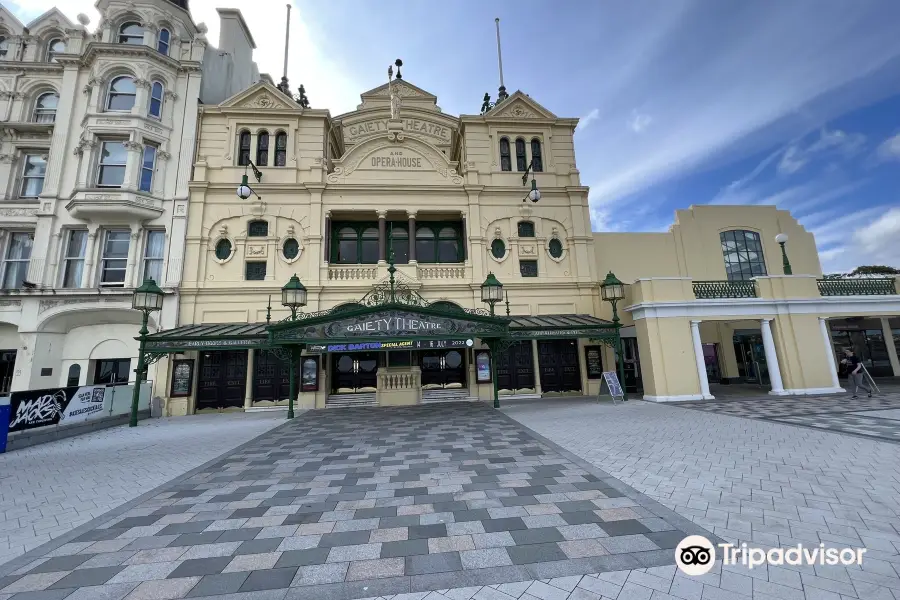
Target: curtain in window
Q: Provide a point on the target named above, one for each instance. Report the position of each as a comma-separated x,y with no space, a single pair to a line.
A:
280,149
505,162
537,162
153,255
75,252
262,149
521,162
244,149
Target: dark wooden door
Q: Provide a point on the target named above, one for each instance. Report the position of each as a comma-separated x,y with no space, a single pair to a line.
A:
352,372
558,361
222,380
444,368
515,367
272,377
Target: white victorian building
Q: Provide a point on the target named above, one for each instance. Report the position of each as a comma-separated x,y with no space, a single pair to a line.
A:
96,150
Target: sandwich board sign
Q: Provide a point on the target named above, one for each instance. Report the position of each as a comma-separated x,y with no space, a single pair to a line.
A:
613,385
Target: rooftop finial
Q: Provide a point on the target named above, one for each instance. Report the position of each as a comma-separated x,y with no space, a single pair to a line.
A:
399,64
501,95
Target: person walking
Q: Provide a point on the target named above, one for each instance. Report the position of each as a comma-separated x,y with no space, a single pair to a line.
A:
855,372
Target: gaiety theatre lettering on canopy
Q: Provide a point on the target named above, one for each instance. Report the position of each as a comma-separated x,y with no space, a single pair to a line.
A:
394,324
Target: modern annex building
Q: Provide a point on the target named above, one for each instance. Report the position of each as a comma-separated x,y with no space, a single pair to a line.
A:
393,217
96,150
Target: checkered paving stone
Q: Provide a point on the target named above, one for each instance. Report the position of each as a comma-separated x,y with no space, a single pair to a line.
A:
875,417
366,501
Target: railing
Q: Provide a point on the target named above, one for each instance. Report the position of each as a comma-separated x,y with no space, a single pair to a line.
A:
405,379
441,272
881,286
351,272
724,289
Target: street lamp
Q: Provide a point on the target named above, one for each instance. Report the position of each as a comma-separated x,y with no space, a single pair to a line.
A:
293,296
782,239
535,194
612,290
147,298
244,190
491,291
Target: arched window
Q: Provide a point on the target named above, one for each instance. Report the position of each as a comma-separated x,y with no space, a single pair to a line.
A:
526,229
368,246
74,375
425,244
244,148
536,162
122,93
280,149
521,161
262,149
131,33
505,162
258,228
45,108
162,41
4,46
448,245
347,242
743,254
156,100
399,245
54,47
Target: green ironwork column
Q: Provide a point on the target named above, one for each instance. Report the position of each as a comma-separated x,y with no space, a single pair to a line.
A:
139,371
293,381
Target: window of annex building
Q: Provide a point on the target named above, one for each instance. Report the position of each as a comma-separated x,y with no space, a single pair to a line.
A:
743,254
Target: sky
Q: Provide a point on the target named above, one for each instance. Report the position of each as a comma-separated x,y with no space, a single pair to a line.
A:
792,103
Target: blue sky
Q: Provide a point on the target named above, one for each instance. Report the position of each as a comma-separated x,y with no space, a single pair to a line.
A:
682,102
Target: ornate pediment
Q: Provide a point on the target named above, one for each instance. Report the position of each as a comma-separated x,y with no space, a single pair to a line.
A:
401,88
396,159
520,106
52,19
261,96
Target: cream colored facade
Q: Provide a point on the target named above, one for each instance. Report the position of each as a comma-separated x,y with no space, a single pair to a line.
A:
95,158
337,194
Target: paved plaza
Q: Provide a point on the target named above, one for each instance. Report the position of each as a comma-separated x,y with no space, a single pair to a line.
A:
567,499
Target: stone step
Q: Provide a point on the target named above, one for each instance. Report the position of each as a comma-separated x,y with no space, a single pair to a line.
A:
350,400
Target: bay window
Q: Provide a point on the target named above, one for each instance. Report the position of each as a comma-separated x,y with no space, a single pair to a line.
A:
33,173
148,167
111,171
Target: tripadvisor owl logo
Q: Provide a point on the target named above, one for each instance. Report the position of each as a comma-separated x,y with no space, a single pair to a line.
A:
695,555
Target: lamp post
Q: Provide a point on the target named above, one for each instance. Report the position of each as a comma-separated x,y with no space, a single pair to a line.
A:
293,296
612,290
492,293
782,239
534,194
244,190
147,298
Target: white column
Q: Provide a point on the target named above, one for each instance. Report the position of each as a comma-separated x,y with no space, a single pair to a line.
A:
889,343
771,357
829,353
248,395
535,361
701,362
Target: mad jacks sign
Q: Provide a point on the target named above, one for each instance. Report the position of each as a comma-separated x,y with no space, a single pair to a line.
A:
391,324
39,408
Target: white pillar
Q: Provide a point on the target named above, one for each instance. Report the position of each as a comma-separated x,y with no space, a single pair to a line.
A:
536,365
251,372
889,344
701,363
771,358
829,353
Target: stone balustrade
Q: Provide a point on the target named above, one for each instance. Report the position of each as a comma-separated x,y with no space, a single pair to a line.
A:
456,272
399,386
352,272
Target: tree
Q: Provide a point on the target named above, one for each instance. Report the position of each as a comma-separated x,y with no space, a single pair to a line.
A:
874,270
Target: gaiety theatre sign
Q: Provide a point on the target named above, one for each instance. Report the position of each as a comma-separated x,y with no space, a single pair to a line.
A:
390,325
357,131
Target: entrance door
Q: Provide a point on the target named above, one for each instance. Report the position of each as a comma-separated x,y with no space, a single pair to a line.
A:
7,368
558,360
223,379
751,359
443,368
357,372
515,368
633,383
272,377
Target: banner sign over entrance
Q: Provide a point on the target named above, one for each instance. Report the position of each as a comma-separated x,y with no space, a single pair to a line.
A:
400,345
39,408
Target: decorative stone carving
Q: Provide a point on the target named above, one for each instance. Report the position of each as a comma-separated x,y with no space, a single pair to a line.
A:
517,111
18,212
133,146
402,90
163,155
527,250
142,83
263,101
497,233
171,95
10,303
257,251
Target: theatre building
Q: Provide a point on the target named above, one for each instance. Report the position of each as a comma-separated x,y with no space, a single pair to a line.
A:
395,218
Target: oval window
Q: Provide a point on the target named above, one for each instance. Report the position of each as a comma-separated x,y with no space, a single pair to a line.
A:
556,248
223,249
498,248
291,248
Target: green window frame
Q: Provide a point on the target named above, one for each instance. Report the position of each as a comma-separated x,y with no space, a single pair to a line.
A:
498,248
354,243
743,254
398,242
555,248
439,242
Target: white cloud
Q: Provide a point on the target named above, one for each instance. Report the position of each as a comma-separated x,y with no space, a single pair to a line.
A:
880,239
828,144
326,82
889,149
639,122
587,119
775,74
